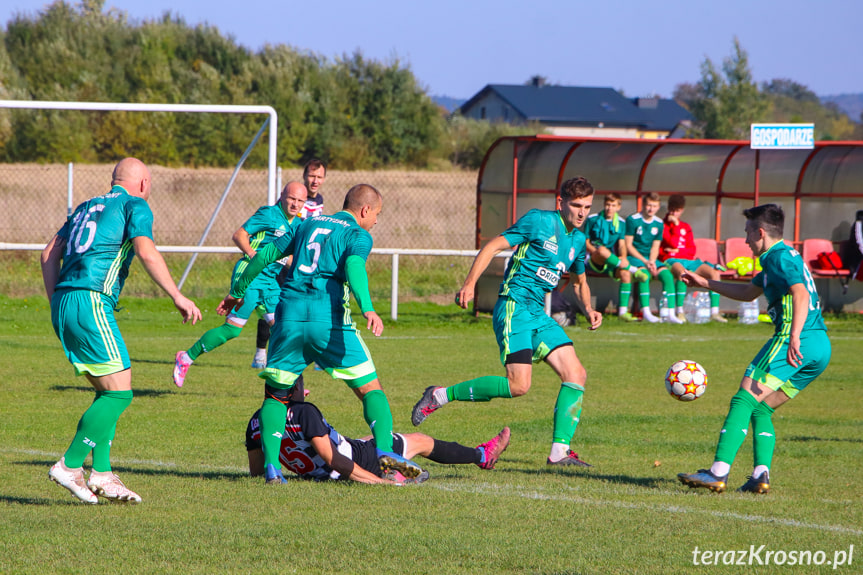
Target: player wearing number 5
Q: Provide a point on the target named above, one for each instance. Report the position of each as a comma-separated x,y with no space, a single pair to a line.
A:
84,267
313,321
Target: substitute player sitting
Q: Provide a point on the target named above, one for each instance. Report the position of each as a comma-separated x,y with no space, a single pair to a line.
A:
265,225
790,360
312,449
606,251
677,250
643,236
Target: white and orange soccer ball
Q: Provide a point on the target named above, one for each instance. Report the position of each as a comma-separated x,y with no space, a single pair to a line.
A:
686,380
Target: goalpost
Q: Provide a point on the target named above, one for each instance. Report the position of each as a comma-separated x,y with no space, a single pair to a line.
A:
270,122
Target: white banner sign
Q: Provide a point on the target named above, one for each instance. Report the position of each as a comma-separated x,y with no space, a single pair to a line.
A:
782,136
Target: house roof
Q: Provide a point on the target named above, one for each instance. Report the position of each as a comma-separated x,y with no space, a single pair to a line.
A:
585,106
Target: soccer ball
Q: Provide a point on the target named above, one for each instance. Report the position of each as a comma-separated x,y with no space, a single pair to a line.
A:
686,380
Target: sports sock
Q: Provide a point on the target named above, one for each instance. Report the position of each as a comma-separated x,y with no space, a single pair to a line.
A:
681,294
668,287
483,388
102,452
213,339
263,334
644,294
714,302
613,261
763,435
736,426
440,396
624,291
96,425
376,411
273,415
567,411
454,453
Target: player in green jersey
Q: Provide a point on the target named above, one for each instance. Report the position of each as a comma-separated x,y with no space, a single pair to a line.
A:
84,267
314,325
606,251
547,244
643,236
790,360
265,225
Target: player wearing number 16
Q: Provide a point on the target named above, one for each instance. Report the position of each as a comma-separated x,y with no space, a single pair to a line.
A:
313,321
84,267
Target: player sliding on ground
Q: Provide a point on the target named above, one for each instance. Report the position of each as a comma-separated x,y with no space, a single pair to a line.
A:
546,244
313,322
790,360
312,449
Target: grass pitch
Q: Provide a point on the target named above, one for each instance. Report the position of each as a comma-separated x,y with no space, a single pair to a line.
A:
182,450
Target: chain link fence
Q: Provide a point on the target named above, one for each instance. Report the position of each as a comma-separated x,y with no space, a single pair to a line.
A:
422,210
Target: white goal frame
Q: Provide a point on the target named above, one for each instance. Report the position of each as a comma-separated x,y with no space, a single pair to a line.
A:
272,120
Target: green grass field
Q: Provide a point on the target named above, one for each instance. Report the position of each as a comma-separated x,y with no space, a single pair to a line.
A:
182,450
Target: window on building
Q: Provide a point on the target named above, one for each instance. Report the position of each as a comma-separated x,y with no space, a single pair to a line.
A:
482,113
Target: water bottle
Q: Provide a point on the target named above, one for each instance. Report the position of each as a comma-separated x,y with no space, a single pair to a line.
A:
702,307
689,306
747,312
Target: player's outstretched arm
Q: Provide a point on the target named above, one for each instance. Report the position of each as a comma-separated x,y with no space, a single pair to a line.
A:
156,267
738,291
52,257
582,299
347,468
480,263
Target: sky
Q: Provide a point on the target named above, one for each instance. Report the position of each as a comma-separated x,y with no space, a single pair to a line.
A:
456,47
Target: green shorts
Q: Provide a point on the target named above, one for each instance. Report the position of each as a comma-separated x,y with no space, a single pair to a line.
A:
519,327
338,349
771,368
262,294
84,322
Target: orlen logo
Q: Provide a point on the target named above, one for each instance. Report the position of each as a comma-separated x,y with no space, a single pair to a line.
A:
548,275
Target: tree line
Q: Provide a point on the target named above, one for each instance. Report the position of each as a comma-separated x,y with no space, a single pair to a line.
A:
354,112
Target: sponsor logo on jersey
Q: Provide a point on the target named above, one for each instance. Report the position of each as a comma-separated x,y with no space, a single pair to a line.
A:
550,246
548,275
571,254
654,231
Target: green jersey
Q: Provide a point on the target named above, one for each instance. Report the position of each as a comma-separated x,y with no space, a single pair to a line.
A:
603,232
543,251
99,242
316,288
782,267
644,233
265,225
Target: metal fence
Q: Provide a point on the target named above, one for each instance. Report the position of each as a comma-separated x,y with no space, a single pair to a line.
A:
428,210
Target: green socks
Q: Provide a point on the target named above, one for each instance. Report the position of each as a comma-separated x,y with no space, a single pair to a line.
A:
681,293
736,425
376,411
483,388
667,287
624,292
273,416
613,260
96,429
213,339
567,412
714,300
763,434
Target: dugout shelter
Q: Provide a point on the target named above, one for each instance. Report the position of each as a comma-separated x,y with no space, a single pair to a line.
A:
820,190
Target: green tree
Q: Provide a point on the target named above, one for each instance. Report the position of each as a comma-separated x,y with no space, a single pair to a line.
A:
725,104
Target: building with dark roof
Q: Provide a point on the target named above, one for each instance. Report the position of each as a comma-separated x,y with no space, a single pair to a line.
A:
578,112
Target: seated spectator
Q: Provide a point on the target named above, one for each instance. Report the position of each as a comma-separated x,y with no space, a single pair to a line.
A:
606,251
677,250
642,238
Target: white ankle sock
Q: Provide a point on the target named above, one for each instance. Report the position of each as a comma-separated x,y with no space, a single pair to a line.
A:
440,396
720,469
759,470
558,451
